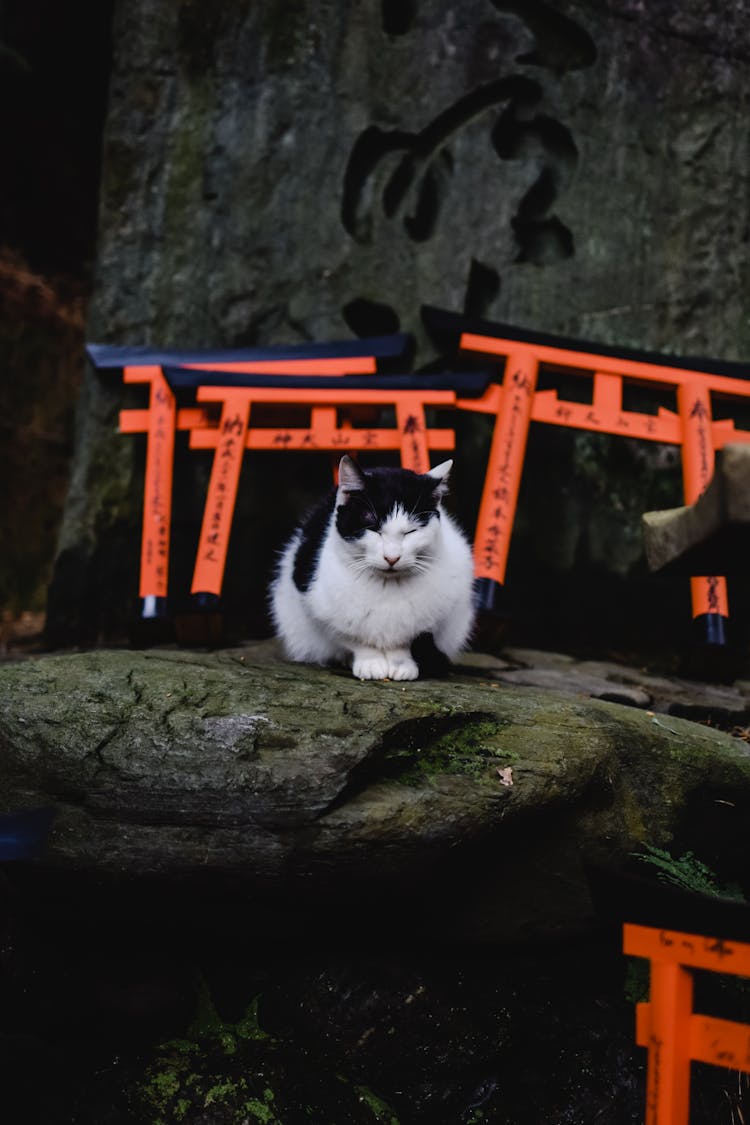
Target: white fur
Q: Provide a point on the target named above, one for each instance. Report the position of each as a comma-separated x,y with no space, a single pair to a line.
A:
362,608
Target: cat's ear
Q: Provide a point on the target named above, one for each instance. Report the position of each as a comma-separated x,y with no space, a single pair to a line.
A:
440,474
351,477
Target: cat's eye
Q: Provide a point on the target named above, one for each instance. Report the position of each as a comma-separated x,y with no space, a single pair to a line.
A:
411,531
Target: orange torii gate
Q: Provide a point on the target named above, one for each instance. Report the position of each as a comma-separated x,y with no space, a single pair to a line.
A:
408,395
518,402
668,1027
161,419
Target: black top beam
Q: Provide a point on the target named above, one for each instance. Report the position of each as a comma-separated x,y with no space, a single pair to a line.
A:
467,382
445,330
105,356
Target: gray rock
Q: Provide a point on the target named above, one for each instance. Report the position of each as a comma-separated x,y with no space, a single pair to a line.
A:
621,683
711,536
578,681
465,804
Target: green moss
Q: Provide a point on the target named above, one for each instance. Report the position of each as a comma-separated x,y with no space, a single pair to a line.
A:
248,1027
225,1090
688,872
266,1082
381,1111
469,748
207,1023
172,1092
162,1087
228,1042
183,1046
261,1111
173,1086
636,980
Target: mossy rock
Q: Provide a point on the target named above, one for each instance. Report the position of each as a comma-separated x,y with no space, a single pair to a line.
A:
458,806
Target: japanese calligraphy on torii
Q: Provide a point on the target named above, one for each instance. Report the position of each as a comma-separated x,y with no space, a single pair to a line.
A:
410,178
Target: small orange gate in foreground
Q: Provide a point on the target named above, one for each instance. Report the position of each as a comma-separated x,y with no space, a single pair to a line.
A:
667,1026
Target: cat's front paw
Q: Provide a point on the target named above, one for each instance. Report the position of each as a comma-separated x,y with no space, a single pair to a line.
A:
402,668
370,667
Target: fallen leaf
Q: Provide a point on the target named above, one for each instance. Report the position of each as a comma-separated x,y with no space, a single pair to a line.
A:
505,775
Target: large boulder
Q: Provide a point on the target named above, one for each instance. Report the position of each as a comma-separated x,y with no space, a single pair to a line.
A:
298,796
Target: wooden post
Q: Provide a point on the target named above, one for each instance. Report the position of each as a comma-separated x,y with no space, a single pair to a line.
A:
668,1072
503,475
411,424
159,424
222,488
708,593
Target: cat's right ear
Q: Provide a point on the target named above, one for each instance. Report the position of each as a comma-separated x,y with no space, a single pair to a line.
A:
351,477
440,474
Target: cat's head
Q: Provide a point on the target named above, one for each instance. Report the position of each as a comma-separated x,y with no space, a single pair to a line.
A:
389,519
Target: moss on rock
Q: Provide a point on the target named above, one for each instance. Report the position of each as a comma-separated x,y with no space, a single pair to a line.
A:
259,775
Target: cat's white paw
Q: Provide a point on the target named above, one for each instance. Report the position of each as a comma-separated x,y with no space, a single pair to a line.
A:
370,667
402,668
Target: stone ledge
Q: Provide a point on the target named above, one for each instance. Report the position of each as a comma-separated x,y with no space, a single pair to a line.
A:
711,536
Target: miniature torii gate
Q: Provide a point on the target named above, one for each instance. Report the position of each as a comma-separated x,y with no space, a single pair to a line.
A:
518,402
161,418
237,393
667,1026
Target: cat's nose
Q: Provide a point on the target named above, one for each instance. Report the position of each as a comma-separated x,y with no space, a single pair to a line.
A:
391,559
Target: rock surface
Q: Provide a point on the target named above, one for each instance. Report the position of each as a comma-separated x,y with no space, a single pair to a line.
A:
464,807
725,705
711,536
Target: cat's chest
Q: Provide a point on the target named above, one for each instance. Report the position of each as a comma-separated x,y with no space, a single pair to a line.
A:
347,598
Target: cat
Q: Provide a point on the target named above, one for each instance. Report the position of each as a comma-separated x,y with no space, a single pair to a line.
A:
375,566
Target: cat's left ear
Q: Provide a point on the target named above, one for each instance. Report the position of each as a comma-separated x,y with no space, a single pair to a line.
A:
351,477
440,474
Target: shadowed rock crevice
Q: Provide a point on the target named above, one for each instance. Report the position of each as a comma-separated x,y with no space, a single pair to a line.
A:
416,750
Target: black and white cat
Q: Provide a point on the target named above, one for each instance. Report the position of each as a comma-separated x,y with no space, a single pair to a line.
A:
375,565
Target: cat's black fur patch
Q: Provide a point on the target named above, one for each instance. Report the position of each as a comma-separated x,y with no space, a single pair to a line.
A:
313,529
385,488
431,660
365,510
